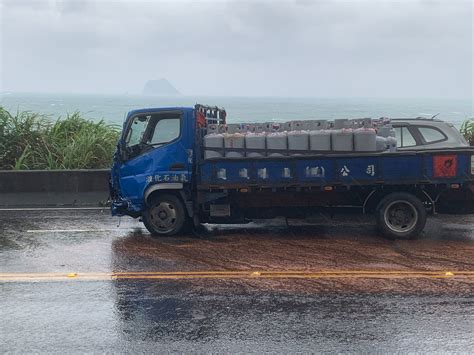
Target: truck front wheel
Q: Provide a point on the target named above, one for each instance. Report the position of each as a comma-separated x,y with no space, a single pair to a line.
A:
401,215
165,216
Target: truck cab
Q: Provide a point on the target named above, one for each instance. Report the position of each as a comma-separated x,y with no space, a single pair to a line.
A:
154,157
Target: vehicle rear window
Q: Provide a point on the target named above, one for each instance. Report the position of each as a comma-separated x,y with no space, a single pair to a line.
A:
431,135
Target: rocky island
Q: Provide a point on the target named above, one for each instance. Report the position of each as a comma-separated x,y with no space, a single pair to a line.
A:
160,87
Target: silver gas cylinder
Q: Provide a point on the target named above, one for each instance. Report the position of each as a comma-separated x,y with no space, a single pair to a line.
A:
381,143
320,140
342,140
392,144
255,140
272,127
298,140
342,123
234,140
213,140
365,140
276,140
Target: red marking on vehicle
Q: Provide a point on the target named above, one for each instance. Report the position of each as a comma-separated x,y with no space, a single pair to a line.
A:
201,119
445,166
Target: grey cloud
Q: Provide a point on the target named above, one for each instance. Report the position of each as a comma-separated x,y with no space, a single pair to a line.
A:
300,48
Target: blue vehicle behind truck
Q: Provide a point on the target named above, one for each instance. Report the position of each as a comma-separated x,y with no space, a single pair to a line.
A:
159,174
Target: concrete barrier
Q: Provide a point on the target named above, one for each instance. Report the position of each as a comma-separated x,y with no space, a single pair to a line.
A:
53,187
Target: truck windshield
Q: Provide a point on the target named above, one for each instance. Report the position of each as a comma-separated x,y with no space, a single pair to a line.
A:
137,130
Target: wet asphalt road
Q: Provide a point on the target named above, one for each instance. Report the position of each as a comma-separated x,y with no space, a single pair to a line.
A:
349,314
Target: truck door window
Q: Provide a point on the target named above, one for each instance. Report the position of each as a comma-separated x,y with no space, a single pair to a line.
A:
165,131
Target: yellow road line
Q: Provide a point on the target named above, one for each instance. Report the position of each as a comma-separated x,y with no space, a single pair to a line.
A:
322,274
39,231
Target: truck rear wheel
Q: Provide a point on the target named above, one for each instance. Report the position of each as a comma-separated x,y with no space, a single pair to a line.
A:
401,215
165,216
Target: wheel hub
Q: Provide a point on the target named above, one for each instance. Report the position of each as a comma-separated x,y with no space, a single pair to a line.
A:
163,216
401,216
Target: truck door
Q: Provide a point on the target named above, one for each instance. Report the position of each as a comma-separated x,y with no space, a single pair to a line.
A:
157,147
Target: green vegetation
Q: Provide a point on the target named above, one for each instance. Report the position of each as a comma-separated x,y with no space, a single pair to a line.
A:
33,141
467,130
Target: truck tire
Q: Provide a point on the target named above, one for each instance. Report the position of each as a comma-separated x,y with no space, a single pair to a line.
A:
165,216
401,215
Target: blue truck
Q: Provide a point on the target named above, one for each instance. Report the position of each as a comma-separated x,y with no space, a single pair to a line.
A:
160,175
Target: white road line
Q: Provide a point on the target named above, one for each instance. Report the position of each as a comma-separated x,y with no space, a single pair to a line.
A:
74,230
53,208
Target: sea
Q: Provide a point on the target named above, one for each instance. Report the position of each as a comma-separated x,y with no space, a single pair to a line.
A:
113,108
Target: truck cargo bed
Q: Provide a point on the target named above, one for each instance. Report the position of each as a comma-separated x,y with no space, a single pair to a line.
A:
361,169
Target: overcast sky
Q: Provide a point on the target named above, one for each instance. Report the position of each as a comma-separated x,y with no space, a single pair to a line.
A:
241,48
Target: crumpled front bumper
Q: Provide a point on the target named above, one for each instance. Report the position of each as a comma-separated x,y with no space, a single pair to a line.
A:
120,206
124,207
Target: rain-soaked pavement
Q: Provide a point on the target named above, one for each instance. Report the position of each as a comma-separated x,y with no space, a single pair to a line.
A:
391,312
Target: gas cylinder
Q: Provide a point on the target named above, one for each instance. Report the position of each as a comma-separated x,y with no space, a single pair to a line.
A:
276,140
234,140
381,143
255,141
213,140
298,140
342,140
320,140
365,140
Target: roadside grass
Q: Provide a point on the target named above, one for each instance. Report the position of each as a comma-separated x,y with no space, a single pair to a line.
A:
33,141
467,130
